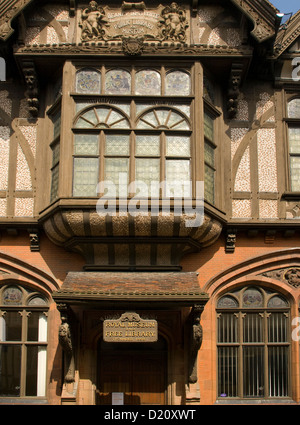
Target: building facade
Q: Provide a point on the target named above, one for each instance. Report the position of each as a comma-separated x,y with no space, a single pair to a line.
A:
149,202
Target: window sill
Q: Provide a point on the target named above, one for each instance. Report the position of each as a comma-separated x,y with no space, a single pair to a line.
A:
22,401
254,401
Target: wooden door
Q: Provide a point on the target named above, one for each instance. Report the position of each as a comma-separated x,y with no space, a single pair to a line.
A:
140,375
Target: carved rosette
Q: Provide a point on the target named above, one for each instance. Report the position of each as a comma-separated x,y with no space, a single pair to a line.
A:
125,240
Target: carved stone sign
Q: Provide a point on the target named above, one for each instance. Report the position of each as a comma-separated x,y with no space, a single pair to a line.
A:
133,20
130,328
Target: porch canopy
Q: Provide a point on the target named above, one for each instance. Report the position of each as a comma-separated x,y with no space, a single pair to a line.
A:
142,288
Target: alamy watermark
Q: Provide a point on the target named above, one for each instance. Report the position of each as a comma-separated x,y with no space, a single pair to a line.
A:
2,69
176,200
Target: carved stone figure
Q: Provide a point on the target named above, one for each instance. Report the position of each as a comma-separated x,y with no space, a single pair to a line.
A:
93,22
173,23
65,339
195,343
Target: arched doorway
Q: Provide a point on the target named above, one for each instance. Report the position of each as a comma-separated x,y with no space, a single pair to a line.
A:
138,370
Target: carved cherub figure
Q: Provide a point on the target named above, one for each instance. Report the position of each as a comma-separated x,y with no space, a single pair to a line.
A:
173,22
92,21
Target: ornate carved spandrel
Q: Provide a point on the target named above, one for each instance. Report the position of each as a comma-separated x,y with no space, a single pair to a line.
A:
195,342
66,340
290,275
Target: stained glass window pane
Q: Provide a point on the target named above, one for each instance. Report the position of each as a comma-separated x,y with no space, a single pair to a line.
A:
118,81
56,125
85,176
209,184
227,302
88,81
147,146
209,154
252,298
10,367
12,296
147,82
295,173
208,127
54,183
177,84
117,172
277,302
117,145
178,146
294,139
177,122
294,108
147,170
86,144
178,177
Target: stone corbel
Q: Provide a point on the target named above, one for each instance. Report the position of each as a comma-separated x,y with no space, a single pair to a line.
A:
195,342
66,339
32,92
34,240
234,84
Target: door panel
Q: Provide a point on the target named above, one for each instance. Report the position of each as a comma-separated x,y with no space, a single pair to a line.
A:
141,376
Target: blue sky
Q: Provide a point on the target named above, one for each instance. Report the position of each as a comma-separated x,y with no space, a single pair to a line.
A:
286,6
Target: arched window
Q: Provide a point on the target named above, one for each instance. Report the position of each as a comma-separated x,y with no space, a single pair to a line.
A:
293,121
253,341
23,342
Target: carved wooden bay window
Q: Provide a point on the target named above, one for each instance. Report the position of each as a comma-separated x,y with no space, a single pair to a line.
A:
147,139
23,342
253,342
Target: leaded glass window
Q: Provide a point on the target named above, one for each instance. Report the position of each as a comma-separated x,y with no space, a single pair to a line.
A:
209,158
294,143
23,342
128,138
253,344
88,81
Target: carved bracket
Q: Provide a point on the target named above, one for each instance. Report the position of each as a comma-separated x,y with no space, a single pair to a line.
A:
32,92
195,342
66,339
233,92
230,240
34,240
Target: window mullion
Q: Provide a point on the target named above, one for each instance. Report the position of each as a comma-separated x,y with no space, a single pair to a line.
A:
25,316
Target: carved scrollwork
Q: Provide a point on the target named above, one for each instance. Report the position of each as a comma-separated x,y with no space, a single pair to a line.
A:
173,23
93,22
289,275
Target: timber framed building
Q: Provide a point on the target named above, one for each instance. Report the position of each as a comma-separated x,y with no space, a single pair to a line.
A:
138,103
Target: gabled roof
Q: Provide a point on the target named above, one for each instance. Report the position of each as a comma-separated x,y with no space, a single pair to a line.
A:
287,34
261,13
